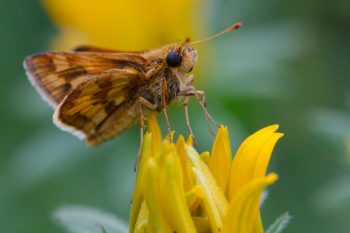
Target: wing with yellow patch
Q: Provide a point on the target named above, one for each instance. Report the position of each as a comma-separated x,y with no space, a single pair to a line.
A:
101,107
55,74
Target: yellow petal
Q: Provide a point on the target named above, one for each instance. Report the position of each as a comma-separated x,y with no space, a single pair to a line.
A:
172,194
157,221
202,224
214,201
188,178
205,157
265,155
220,160
210,183
142,220
252,158
138,191
189,140
258,227
169,137
243,209
193,197
209,204
154,128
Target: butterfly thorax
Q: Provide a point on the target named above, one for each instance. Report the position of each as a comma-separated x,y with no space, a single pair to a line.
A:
152,91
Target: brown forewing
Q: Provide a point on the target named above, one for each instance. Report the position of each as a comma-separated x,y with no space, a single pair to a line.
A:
101,107
55,74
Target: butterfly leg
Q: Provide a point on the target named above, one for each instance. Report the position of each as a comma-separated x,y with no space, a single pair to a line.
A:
142,102
187,89
164,88
185,103
203,104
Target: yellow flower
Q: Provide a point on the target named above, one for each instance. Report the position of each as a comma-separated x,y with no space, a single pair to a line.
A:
179,190
121,24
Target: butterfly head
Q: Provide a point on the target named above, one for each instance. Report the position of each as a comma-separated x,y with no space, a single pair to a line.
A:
182,57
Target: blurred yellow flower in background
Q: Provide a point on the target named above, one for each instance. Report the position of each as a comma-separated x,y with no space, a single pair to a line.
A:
120,24
178,190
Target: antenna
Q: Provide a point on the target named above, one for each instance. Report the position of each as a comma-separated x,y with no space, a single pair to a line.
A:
230,28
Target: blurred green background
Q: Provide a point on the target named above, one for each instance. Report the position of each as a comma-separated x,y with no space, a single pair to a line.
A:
288,64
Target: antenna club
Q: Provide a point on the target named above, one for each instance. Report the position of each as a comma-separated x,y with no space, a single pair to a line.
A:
235,26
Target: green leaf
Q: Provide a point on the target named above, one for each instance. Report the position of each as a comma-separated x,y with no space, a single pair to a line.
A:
79,219
279,224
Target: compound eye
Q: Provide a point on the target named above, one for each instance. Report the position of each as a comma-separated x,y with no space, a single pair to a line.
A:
173,59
